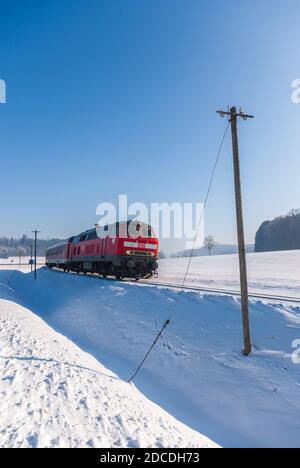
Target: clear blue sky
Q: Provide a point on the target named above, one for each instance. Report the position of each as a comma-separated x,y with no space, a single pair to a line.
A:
109,97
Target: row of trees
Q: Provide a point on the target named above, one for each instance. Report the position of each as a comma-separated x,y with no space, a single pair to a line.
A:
11,247
283,233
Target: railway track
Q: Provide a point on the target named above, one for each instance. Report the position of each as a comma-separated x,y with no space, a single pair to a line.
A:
224,292
178,286
11,264
254,295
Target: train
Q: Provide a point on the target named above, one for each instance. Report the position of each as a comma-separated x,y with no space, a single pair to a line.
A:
126,249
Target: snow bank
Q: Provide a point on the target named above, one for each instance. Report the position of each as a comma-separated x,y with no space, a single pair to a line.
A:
55,395
196,372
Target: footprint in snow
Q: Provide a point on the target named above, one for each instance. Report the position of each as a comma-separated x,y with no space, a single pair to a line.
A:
83,403
33,440
55,442
132,443
9,378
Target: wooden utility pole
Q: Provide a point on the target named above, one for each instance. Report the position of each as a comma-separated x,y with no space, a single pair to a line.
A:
233,115
35,248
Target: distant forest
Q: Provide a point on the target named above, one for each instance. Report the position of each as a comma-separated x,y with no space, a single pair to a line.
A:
10,247
282,233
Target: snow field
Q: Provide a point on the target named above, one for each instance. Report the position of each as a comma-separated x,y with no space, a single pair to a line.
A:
52,394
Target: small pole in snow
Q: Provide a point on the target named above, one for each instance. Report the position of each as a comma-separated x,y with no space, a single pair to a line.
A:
31,259
233,115
35,247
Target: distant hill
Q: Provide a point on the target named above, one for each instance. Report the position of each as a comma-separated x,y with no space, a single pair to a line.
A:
10,247
219,249
282,233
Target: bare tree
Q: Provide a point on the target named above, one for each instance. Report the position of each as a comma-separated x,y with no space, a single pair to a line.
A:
210,244
3,252
21,252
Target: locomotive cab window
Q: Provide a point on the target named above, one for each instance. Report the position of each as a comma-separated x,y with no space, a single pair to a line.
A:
92,235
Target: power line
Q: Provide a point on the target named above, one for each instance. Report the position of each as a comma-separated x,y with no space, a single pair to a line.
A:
168,321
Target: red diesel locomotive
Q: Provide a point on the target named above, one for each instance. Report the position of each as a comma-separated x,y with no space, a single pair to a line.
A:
124,250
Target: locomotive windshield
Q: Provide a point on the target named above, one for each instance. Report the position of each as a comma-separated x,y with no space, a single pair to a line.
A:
138,229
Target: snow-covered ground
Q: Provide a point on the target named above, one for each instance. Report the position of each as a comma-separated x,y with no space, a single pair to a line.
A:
13,263
275,273
52,394
197,372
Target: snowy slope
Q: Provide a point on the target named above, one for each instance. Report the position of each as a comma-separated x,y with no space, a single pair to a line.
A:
55,395
196,372
276,273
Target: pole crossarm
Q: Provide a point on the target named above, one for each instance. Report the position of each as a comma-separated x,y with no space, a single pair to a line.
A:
241,114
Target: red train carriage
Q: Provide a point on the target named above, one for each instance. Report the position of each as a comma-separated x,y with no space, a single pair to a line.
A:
58,255
123,250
